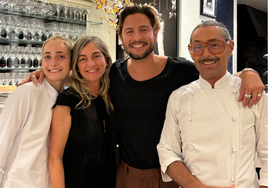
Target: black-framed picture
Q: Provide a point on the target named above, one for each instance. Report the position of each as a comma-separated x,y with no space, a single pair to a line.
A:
209,8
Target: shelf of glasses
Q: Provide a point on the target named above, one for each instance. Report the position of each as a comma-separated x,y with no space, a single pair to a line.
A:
94,23
45,17
18,68
20,41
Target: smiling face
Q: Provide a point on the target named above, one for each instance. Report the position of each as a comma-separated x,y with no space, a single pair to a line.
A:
91,64
56,61
211,67
138,36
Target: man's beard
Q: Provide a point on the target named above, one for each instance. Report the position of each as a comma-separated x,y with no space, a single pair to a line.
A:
141,56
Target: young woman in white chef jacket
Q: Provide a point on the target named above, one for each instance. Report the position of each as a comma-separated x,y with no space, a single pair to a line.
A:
26,117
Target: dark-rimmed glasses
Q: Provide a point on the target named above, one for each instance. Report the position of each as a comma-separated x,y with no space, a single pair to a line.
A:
214,46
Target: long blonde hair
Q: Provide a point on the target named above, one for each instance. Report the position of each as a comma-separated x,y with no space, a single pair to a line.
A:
78,82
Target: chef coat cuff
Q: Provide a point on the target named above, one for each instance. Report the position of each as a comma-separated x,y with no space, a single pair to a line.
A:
263,182
164,166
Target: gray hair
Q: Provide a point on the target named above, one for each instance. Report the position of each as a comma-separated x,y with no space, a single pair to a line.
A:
225,31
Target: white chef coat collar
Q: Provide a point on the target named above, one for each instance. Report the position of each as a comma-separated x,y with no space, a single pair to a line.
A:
221,83
51,91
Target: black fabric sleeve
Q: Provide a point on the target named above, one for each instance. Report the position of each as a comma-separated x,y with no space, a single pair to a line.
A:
65,99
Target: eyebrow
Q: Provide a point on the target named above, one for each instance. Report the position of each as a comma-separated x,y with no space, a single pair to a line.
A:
139,27
57,52
207,41
83,55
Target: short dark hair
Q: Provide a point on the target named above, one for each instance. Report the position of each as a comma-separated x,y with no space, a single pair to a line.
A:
149,11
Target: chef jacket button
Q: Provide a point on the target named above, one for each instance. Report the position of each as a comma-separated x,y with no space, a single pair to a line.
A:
234,92
193,173
234,118
234,150
192,93
232,179
191,147
190,119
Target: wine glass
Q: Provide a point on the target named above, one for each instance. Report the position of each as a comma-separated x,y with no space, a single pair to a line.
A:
3,2
58,9
65,9
3,62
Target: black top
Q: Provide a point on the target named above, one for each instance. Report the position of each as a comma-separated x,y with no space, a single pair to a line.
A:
88,158
140,108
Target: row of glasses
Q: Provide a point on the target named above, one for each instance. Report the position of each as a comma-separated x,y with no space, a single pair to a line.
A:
13,78
23,28
45,8
20,56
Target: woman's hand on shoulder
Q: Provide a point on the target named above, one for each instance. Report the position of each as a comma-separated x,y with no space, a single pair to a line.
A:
36,76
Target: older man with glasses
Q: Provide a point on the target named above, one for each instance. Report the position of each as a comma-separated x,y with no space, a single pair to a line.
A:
209,139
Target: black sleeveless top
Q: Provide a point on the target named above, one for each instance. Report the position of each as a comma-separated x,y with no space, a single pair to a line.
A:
89,155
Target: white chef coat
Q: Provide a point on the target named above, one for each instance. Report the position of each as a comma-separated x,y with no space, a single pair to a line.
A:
24,127
214,136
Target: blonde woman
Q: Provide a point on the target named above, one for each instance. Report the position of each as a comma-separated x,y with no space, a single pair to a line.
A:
26,117
82,133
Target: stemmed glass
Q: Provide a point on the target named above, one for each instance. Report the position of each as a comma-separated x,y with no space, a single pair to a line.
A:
11,3
8,56
75,9
84,14
22,56
3,61
29,5
16,53
3,2
65,9
52,9
58,9
3,26
44,6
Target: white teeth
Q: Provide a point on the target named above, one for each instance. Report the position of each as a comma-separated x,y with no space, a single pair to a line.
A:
92,70
54,70
137,46
208,63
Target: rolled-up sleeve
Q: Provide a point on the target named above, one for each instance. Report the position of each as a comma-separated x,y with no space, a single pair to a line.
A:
169,147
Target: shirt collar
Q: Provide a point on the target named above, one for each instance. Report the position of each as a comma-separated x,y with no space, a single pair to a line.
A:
51,91
221,83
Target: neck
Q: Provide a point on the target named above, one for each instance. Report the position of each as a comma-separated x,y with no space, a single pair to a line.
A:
58,85
143,69
94,88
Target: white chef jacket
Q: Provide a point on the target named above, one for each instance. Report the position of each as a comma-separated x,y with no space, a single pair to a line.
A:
214,136
24,127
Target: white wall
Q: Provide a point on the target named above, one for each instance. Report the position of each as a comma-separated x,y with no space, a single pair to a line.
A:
188,19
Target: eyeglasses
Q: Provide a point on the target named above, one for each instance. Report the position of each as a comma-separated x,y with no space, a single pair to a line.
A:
214,46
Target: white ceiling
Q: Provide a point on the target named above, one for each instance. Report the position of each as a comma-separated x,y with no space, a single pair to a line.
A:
257,4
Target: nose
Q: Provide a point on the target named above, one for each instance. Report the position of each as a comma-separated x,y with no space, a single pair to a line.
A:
91,63
206,52
137,36
54,62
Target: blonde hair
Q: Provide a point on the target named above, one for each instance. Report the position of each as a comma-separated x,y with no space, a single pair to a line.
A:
78,82
67,42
